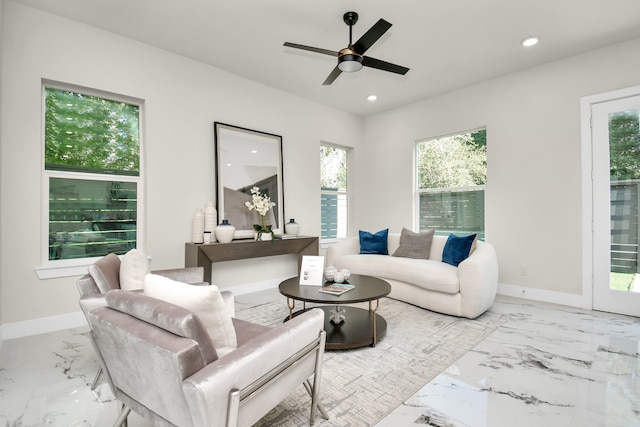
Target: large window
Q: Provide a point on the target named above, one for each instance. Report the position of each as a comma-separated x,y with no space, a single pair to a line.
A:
451,175
91,172
333,191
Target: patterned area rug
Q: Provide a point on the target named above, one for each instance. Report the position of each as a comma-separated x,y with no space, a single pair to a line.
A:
361,386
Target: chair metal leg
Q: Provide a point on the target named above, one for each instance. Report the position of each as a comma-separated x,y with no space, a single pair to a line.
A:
315,391
95,380
323,411
233,408
122,419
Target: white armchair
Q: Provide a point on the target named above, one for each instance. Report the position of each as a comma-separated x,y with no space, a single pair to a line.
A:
104,275
162,364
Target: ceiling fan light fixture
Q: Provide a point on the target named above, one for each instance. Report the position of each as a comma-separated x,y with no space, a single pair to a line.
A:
350,62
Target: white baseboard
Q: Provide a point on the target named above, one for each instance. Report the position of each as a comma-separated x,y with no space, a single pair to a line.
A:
42,325
561,298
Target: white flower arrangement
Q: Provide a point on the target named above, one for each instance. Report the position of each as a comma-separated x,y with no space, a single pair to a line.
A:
261,204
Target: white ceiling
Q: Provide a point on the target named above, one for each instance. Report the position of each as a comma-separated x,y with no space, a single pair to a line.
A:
447,44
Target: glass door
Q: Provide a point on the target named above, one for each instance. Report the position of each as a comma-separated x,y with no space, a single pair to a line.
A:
616,205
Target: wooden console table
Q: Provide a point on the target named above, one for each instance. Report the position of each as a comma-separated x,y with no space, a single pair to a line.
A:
203,255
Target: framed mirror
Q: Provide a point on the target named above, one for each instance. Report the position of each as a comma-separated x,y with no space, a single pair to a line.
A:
247,158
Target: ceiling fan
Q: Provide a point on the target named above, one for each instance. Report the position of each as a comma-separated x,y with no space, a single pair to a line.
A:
352,58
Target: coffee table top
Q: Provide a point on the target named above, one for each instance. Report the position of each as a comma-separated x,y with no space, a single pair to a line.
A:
367,288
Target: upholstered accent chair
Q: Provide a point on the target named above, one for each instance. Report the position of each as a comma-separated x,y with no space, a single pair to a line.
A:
162,364
104,275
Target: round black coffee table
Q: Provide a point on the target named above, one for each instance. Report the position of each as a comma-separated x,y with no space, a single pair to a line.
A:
360,327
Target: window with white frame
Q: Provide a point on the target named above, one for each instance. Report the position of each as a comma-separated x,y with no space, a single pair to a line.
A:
451,177
92,173
333,191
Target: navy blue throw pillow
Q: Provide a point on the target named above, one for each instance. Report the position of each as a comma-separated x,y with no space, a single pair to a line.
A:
374,243
457,249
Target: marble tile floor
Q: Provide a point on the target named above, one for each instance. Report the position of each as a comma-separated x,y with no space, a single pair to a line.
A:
548,365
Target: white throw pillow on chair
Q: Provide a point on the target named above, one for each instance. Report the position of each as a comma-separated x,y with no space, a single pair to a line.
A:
204,301
133,268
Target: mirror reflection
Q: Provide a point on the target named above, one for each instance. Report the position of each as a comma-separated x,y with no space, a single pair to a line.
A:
247,158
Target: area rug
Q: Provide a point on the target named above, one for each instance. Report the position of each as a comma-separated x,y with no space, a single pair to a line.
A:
362,386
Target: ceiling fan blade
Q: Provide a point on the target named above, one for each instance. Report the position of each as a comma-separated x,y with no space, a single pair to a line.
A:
367,61
334,75
311,49
371,36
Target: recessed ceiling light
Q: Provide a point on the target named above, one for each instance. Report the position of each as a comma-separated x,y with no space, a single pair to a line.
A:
372,98
530,41
254,151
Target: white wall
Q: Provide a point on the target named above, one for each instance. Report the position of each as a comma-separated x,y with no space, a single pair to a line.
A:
534,173
183,99
1,201
533,196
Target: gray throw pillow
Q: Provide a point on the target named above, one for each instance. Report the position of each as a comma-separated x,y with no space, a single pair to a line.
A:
414,245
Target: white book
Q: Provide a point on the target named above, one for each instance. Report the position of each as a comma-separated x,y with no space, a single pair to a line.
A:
336,288
312,270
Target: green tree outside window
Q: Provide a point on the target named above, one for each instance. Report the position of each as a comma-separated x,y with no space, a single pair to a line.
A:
90,134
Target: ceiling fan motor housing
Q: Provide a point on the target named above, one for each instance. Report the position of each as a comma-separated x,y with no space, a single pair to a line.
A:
349,60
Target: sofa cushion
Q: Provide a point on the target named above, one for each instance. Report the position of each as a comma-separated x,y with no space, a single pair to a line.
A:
414,245
133,268
457,248
427,274
374,243
204,301
106,273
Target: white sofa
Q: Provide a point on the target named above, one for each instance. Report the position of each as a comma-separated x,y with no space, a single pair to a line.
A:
465,291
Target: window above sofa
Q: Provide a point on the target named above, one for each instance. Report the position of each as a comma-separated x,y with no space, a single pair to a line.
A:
451,174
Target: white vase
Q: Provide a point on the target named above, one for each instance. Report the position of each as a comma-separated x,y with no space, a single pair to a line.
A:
292,227
209,217
225,232
197,226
